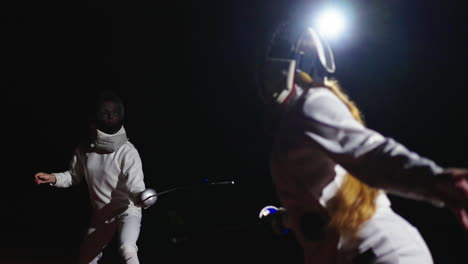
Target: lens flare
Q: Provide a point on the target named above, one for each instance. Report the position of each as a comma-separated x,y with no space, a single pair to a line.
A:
331,23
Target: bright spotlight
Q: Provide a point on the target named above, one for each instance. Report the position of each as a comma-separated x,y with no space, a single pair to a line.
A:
331,23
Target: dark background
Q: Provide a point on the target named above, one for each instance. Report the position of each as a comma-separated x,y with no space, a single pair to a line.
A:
185,72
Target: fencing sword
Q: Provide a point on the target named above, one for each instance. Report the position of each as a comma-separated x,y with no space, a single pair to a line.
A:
149,196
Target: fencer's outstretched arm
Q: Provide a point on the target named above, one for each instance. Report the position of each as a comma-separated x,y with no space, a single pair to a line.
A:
42,177
380,161
75,173
132,168
67,178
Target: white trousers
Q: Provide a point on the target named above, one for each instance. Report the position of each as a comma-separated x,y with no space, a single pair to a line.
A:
125,226
390,239
386,238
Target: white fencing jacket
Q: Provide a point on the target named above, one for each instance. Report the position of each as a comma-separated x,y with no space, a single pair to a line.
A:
320,133
114,179
319,141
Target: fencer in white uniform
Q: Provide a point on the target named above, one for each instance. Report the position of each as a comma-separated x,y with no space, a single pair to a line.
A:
112,169
311,166
318,141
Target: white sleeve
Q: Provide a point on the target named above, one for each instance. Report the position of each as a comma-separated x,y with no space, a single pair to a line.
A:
377,160
74,174
133,170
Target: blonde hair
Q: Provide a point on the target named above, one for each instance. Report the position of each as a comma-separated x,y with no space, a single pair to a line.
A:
354,202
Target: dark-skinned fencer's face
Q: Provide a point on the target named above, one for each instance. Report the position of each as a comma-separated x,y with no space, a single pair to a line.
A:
109,117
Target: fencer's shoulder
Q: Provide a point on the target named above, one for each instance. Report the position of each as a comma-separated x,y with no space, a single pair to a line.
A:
319,90
319,93
129,149
128,146
322,101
